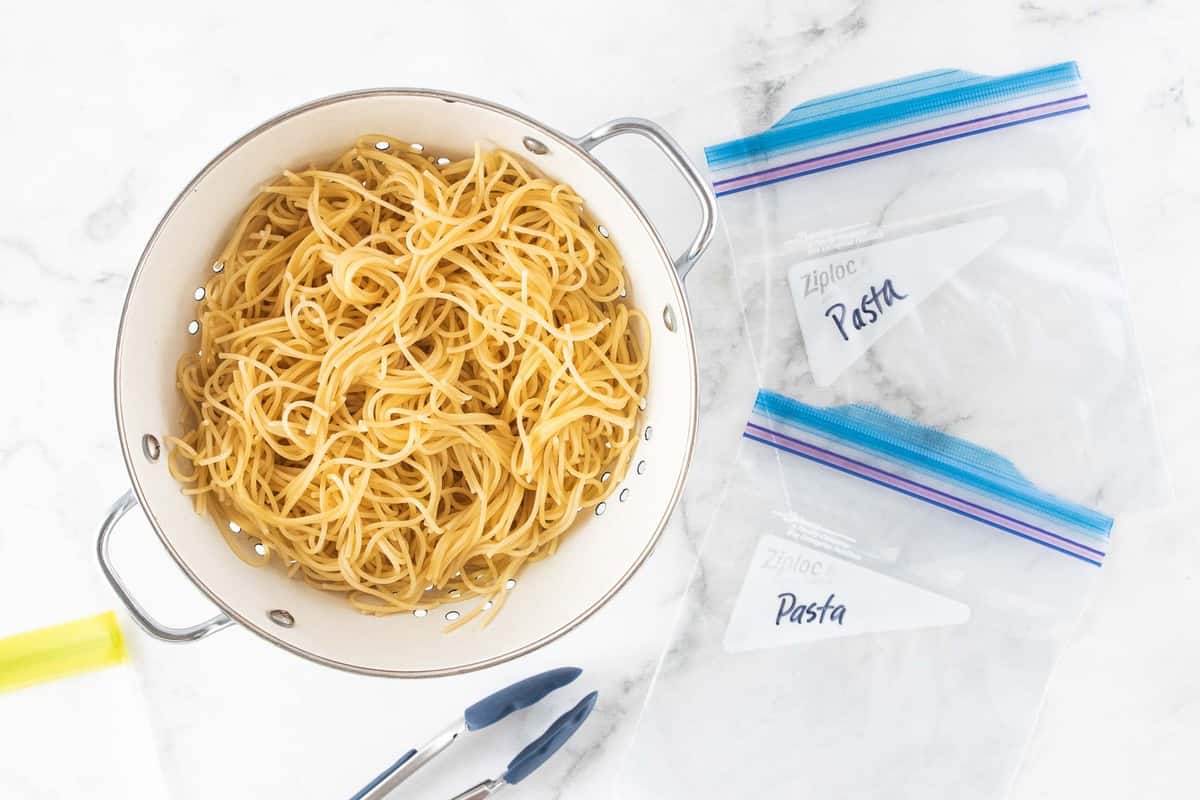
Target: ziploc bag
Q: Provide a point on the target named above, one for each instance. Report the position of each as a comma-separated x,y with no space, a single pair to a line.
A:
875,613
937,247
953,407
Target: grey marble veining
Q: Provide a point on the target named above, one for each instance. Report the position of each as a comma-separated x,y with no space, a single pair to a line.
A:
110,114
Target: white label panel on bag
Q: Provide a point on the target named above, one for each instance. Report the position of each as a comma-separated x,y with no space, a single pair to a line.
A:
847,301
794,594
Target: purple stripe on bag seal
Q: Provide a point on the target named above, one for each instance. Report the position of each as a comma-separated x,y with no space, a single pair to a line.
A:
920,491
944,133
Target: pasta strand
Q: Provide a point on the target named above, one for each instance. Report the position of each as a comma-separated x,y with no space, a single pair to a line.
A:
414,375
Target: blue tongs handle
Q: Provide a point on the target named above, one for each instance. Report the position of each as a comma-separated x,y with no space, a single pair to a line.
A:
535,753
487,711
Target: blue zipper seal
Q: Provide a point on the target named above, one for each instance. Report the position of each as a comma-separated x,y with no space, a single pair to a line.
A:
885,105
934,453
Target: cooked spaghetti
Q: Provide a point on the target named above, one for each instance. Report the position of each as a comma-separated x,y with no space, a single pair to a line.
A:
414,374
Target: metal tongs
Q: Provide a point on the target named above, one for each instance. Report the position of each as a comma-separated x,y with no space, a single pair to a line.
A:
487,711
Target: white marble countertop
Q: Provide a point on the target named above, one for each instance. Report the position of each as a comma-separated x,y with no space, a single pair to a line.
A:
109,113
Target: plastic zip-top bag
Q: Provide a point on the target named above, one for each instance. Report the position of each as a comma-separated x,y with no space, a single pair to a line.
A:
953,408
875,613
937,247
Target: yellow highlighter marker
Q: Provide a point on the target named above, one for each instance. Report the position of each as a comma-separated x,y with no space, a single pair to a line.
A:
60,650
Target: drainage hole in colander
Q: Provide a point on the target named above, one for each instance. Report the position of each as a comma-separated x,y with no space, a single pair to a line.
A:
282,618
601,508
260,548
605,477
646,434
641,468
420,612
443,161
151,449
452,615
669,318
455,593
603,231
417,148
642,404
624,495
234,527
382,145
194,327
218,266
511,583
198,294
535,146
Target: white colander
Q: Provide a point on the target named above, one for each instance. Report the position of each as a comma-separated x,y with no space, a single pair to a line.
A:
158,323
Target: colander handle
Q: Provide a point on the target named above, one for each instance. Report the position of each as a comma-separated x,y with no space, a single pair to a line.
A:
674,153
143,619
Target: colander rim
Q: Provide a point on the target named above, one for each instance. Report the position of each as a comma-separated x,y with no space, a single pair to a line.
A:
680,302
